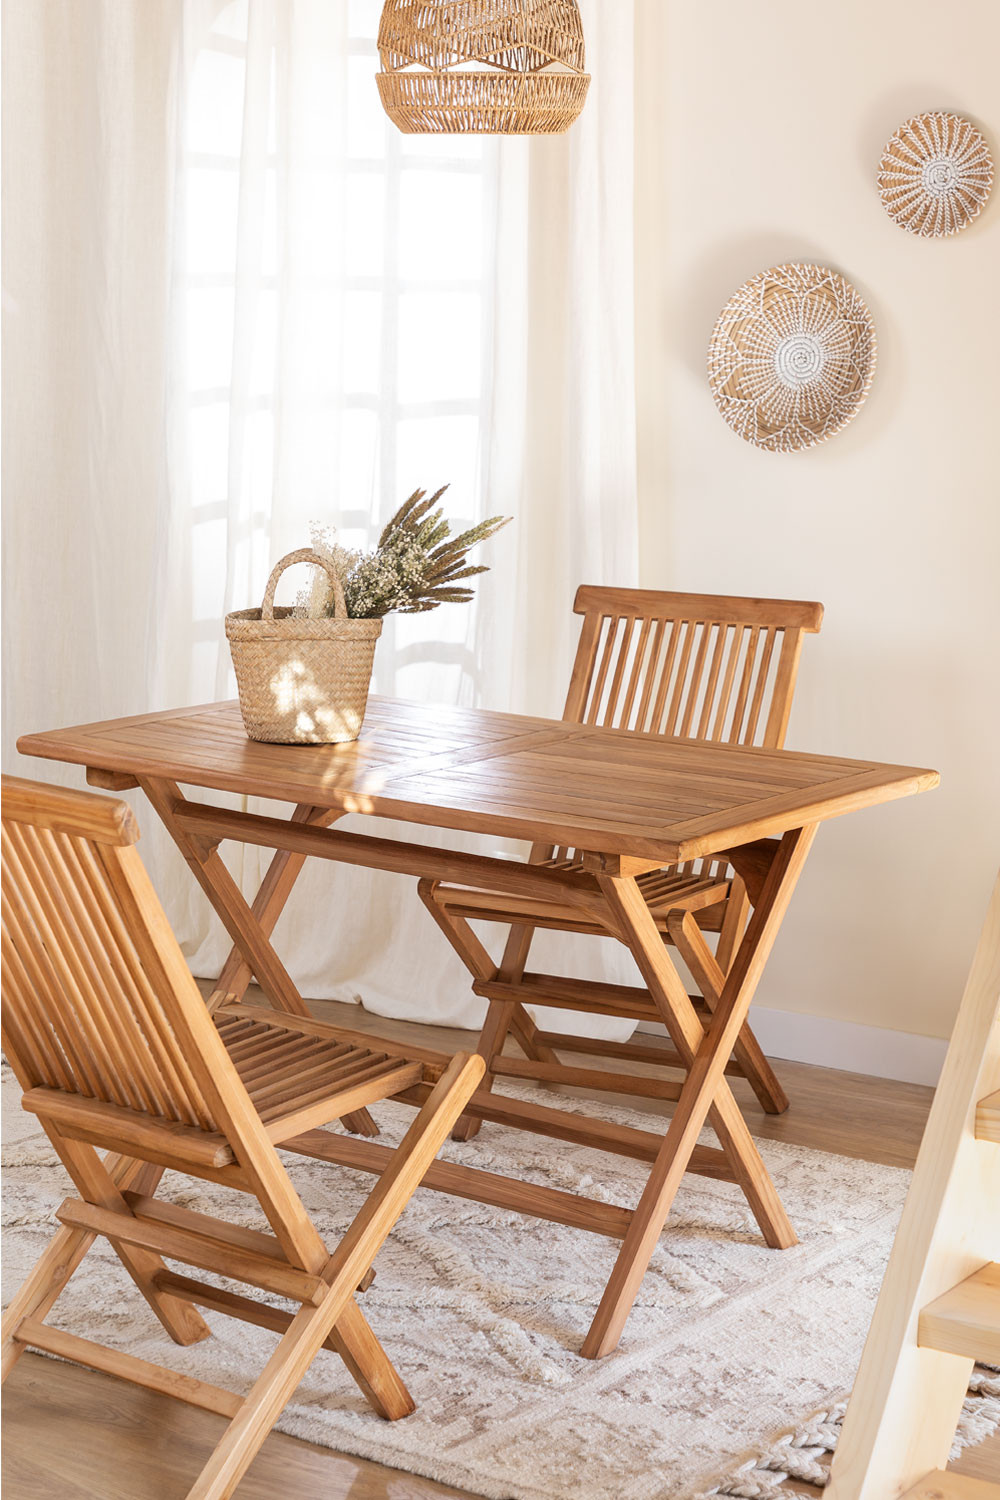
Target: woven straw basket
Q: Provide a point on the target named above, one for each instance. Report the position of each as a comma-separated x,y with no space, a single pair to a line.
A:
302,682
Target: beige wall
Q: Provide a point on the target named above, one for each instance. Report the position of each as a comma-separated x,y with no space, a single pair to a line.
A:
760,127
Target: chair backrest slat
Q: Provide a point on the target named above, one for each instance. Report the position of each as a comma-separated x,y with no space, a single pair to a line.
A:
76,945
67,1054
24,1037
110,953
718,657
172,1071
734,635
663,675
708,666
763,669
746,680
643,678
82,1013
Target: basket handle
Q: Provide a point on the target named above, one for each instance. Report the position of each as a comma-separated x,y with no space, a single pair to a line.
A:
304,554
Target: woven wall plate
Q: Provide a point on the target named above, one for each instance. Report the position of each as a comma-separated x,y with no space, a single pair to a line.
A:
792,357
935,174
482,67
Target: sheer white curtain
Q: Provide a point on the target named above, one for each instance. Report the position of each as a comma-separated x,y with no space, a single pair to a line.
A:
352,313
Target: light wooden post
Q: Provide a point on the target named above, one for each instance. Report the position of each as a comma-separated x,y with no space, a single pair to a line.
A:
939,1308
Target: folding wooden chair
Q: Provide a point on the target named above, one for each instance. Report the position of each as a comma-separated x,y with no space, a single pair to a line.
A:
114,1048
702,666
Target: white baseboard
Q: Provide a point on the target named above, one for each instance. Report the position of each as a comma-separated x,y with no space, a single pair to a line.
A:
830,1043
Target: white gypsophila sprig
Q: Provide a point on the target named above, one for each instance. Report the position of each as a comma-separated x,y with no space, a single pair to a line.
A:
316,599
385,580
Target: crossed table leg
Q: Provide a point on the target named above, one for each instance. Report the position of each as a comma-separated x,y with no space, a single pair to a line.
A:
705,1091
704,1096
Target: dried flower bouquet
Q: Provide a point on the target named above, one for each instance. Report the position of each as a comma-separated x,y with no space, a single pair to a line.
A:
417,565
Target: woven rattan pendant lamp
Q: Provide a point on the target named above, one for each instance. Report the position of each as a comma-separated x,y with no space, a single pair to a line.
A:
482,67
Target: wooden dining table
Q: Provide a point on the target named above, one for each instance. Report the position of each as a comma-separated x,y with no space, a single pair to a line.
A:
628,802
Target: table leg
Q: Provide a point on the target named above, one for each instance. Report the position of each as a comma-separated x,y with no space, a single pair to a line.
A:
269,903
503,1017
705,1092
481,966
710,977
239,920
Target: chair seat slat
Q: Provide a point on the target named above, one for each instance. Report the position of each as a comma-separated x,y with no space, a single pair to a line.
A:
374,1078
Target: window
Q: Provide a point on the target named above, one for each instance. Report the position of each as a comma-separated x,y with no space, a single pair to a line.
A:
336,278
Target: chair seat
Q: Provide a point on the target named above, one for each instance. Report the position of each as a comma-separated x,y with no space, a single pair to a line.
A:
665,891
296,1079
299,1079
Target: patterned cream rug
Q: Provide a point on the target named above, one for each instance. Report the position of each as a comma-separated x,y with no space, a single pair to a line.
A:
730,1344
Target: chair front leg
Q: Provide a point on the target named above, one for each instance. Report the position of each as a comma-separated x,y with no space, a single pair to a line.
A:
313,1324
522,1027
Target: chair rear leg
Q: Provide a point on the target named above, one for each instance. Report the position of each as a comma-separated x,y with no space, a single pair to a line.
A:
522,1027
45,1284
500,1019
525,1033
313,1324
734,921
491,1040
55,1267
748,1053
371,1367
95,1184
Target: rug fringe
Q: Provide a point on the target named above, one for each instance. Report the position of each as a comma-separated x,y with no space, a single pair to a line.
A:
798,1453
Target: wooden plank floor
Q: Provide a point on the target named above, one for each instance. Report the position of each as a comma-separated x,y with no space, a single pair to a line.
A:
84,1436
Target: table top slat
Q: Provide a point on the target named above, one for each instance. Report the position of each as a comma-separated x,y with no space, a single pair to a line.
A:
609,791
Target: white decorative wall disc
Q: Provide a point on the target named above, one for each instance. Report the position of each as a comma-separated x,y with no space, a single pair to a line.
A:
792,357
935,174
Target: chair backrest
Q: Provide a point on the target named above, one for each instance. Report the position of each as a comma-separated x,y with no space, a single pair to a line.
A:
702,666
99,1001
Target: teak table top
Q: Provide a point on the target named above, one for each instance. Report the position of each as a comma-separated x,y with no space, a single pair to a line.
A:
604,790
